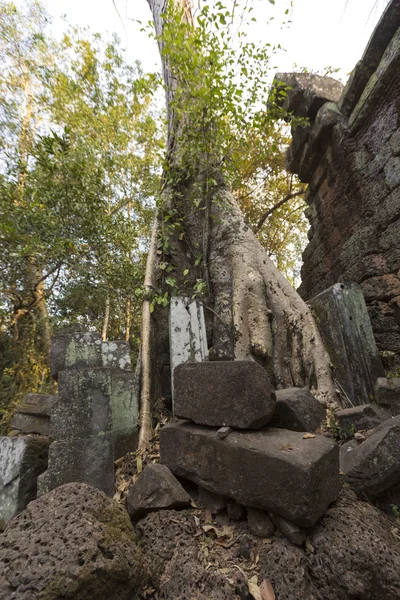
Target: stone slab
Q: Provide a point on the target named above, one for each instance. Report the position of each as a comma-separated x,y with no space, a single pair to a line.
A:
224,393
37,424
298,410
272,469
22,459
345,327
37,404
358,418
125,409
89,460
187,333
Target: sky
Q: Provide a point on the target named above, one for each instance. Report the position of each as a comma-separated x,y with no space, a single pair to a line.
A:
323,32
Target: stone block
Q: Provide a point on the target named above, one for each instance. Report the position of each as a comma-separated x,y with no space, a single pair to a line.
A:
374,467
116,355
124,407
37,404
155,489
345,327
75,351
233,394
272,469
213,502
296,535
387,394
89,460
37,424
84,405
298,410
358,418
346,454
187,334
22,459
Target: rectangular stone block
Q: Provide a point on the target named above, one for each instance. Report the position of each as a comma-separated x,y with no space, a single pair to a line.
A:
187,333
37,424
116,355
224,393
37,404
89,460
124,405
75,351
343,320
22,459
272,469
83,408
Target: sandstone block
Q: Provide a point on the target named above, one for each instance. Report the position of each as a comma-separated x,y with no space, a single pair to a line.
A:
155,489
37,404
75,351
124,408
387,393
346,330
272,469
89,460
116,355
234,394
22,459
298,410
374,467
358,418
31,424
296,535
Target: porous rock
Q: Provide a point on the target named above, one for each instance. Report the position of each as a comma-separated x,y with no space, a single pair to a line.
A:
259,522
359,418
351,553
73,543
298,410
224,393
387,393
174,559
374,467
155,489
272,469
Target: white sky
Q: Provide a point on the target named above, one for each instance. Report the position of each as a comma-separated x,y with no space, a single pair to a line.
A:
323,32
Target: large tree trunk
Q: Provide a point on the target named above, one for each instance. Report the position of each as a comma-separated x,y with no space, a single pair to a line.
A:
255,313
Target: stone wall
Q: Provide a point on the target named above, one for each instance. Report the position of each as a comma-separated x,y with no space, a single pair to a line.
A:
350,156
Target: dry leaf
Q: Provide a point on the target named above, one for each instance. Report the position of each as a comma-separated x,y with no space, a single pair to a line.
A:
254,589
139,464
286,447
308,436
267,592
309,547
207,516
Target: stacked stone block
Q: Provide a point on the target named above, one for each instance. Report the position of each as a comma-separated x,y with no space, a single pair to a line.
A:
255,465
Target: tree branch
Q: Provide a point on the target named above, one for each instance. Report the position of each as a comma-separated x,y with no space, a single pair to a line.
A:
275,207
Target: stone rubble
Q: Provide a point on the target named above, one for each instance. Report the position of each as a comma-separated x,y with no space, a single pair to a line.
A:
298,410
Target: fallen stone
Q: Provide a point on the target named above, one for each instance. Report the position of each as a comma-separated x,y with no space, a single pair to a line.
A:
236,511
298,410
387,394
73,543
31,424
75,351
88,460
294,534
223,432
155,489
358,418
212,502
346,454
22,460
374,467
37,404
272,469
235,394
346,330
260,523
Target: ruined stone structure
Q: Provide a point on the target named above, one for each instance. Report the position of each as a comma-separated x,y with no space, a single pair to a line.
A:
350,157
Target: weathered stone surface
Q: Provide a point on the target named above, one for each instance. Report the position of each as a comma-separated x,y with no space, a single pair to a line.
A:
155,489
265,469
358,418
213,502
22,460
88,460
374,467
31,424
235,394
296,535
260,523
116,355
223,432
346,454
73,543
346,330
124,409
75,351
387,394
298,410
37,404
187,334
351,554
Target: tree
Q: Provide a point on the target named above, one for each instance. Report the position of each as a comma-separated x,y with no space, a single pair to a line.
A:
202,235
